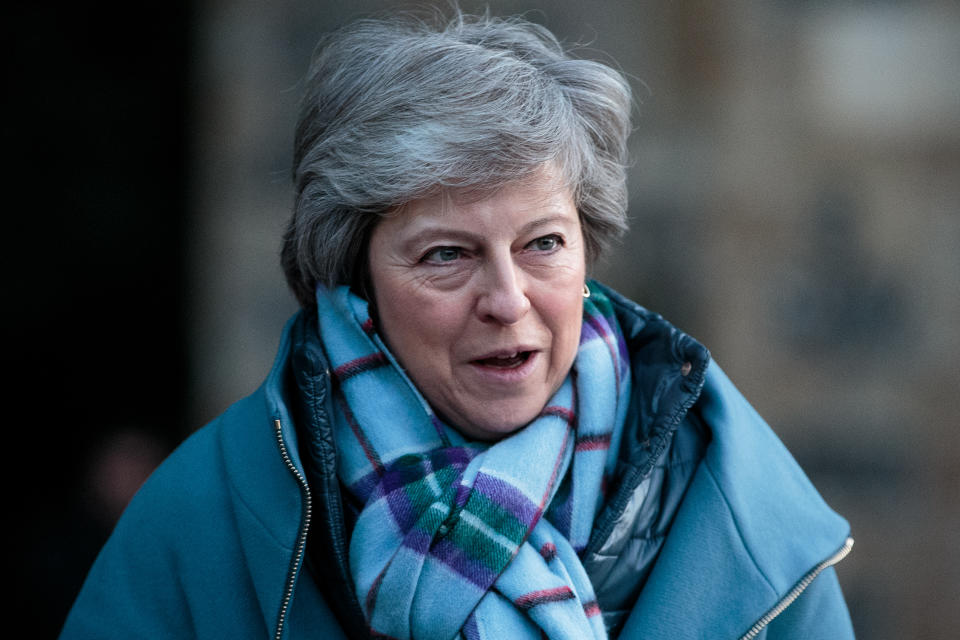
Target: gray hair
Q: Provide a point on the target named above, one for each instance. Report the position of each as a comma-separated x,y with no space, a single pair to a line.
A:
399,108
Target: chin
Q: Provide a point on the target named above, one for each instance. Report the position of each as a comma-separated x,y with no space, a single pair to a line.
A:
496,425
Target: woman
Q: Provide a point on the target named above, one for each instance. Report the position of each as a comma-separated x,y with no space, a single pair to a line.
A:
462,435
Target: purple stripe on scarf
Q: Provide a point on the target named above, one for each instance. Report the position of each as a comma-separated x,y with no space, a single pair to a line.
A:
589,331
418,540
412,469
406,470
617,346
441,432
599,327
463,494
470,629
365,485
401,509
470,568
507,497
359,365
393,486
458,457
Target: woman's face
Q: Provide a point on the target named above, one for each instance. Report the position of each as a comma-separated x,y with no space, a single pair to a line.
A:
482,301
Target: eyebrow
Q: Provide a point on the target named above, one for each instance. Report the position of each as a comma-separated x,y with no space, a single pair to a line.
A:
545,221
425,236
428,235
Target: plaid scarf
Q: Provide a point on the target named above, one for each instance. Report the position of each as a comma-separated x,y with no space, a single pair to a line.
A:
468,539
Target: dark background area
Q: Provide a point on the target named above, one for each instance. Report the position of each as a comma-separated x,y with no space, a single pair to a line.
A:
795,205
94,135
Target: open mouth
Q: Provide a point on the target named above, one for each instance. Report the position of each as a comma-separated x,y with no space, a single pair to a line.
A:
505,362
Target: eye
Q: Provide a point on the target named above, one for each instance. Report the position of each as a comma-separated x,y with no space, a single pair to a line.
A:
442,254
546,243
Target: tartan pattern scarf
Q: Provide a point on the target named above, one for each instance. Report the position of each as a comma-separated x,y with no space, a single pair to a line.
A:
466,539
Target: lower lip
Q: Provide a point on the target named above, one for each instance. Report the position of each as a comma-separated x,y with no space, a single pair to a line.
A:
507,375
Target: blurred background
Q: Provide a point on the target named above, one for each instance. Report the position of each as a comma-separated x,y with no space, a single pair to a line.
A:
795,205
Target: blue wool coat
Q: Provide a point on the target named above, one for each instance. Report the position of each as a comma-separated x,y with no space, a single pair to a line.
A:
215,543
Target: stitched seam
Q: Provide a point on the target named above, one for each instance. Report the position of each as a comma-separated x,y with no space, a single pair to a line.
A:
638,538
322,441
330,500
261,522
736,524
239,499
676,464
658,445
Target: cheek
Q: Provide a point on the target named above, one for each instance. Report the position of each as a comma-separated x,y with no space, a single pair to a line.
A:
416,327
573,325
564,314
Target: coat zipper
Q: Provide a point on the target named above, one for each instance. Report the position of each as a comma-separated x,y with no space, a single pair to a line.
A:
799,588
301,538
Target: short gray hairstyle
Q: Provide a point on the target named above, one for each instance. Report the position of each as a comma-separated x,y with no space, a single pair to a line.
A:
399,107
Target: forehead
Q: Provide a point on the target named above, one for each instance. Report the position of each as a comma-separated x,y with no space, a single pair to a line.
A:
539,195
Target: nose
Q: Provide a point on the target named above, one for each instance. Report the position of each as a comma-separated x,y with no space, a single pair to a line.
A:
503,298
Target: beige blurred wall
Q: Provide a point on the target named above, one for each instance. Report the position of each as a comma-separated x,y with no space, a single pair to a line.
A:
794,205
